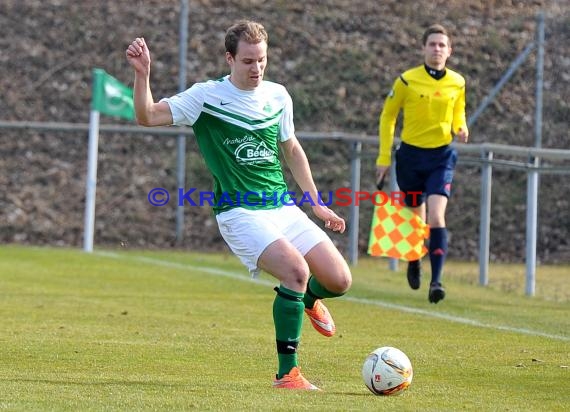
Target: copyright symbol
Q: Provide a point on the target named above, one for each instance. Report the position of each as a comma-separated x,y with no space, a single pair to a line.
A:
158,196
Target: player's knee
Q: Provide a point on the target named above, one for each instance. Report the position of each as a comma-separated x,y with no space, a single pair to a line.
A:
341,283
436,219
346,282
342,278
298,276
343,286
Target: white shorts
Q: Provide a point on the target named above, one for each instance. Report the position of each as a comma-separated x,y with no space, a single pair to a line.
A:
249,232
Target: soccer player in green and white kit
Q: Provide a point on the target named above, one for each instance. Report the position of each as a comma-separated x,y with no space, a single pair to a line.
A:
242,123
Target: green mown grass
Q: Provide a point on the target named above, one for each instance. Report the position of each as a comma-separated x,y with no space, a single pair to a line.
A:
139,330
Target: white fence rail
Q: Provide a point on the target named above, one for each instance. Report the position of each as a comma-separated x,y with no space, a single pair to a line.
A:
481,154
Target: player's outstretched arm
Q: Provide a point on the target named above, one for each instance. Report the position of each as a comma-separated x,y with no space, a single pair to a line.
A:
148,112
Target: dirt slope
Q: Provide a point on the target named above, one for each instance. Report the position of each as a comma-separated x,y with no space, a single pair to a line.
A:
338,59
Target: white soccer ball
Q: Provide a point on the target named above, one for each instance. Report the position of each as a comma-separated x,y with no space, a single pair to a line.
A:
387,371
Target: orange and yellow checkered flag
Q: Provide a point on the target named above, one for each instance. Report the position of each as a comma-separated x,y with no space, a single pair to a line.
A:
397,232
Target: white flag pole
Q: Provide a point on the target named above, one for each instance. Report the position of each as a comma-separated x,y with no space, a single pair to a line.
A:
91,181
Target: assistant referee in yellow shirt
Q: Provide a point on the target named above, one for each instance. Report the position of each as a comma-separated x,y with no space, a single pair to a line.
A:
432,98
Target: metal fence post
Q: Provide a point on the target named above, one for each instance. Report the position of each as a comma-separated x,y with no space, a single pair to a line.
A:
533,175
393,262
181,139
353,227
485,218
531,228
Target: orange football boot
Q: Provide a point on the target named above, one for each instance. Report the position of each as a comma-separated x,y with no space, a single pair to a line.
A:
294,380
321,319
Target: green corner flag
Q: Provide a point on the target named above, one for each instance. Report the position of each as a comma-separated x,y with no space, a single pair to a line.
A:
111,97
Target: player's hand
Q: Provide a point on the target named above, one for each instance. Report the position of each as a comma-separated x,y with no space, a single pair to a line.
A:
381,173
331,219
138,55
462,136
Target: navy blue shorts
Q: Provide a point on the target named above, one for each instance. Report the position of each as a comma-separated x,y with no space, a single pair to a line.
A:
429,171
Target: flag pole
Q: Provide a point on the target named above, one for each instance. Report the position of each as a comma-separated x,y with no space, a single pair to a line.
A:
91,182
113,98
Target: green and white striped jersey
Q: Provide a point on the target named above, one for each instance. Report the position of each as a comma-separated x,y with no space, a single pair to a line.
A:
238,133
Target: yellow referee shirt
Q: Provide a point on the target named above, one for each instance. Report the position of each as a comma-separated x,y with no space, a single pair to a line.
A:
432,110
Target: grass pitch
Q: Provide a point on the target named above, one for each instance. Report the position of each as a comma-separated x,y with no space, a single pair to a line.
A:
138,330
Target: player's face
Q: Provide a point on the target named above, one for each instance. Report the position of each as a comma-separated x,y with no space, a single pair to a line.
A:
248,65
436,50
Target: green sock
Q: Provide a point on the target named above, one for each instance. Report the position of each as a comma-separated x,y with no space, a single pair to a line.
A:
316,291
288,319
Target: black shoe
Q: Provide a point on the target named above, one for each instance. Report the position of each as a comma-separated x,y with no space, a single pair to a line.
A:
436,292
414,274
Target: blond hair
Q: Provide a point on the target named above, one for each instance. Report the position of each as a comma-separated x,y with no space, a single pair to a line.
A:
247,30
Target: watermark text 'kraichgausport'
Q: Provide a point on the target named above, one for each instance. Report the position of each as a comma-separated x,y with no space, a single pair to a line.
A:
343,196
